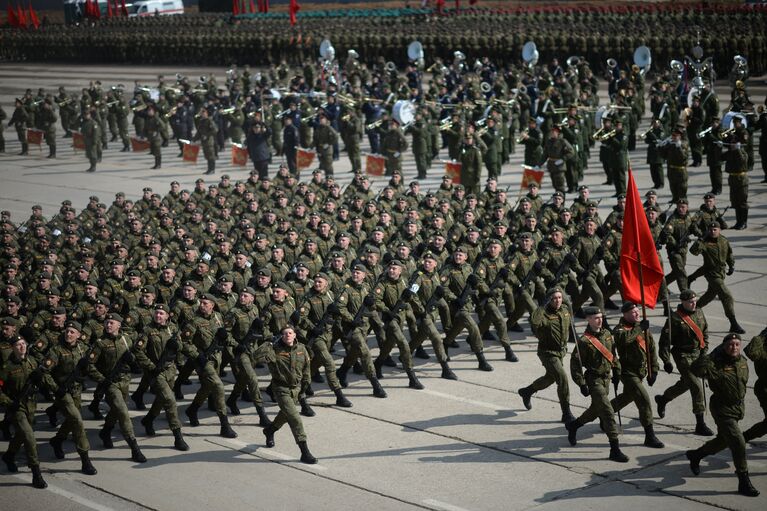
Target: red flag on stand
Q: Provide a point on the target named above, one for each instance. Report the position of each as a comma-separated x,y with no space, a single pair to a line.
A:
266,5
123,8
375,165
22,23
239,155
304,158
13,20
440,5
252,7
235,7
641,272
453,169
33,19
78,141
530,175
110,13
294,8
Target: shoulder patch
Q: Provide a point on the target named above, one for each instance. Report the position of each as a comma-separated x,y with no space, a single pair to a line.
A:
379,290
92,356
40,344
48,362
139,343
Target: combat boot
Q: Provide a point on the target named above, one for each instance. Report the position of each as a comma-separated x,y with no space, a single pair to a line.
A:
51,412
179,443
741,217
447,373
650,440
138,400
37,477
421,353
105,434
125,149
135,453
10,462
86,467
510,355
231,402
616,454
735,327
514,327
526,393
306,456
157,162
413,382
483,365
177,393
51,152
94,409
567,415
744,485
58,447
341,373
92,168
191,413
24,149
308,390
389,362
701,429
341,399
263,419
211,167
378,390
661,402
306,410
226,429
694,458
269,434
377,365
572,431
148,423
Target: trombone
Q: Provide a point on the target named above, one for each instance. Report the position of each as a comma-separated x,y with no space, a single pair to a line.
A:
524,136
64,103
227,111
606,136
170,113
373,125
705,132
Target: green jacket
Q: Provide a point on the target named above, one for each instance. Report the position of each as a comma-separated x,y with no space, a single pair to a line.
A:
683,339
587,357
716,253
61,362
727,378
633,358
289,365
552,328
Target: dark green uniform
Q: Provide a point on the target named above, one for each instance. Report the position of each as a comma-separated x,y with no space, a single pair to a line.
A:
717,254
15,375
156,353
757,352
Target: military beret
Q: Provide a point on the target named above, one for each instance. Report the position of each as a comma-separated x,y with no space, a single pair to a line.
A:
730,337
459,187
225,278
161,307
621,196
473,228
524,199
281,284
37,206
429,255
461,249
627,306
148,290
683,201
301,265
555,289
10,266
44,275
589,219
114,317
133,273
14,299
225,176
709,196
249,290
687,294
322,275
264,272
447,177
207,296
168,267
74,324
103,300
395,262
653,208
495,241
16,339
359,267
120,194
714,224
190,283
372,250
582,187
147,189
203,261
558,194
116,262
8,321
309,240
591,311
59,311
93,198
592,204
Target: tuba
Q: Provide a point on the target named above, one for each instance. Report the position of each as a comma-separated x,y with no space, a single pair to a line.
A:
612,63
530,54
573,61
390,66
485,87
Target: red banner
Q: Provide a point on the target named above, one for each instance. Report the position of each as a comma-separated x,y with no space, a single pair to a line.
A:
239,155
78,141
530,175
139,144
293,10
35,136
190,152
375,165
453,169
304,158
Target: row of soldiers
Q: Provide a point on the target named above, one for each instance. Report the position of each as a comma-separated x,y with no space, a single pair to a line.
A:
233,272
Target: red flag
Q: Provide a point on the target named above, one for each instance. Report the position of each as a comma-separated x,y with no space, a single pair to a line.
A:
33,19
440,5
530,175
294,8
110,13
638,247
266,5
304,158
235,7
239,155
453,169
96,10
252,8
88,9
375,165
22,18
123,8
13,20
457,5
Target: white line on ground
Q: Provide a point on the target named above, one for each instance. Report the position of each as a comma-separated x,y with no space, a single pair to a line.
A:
438,504
483,404
263,451
67,495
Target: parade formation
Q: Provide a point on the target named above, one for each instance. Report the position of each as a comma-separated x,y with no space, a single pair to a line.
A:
292,282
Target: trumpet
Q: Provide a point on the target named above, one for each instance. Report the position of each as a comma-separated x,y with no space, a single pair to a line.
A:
138,108
726,133
227,111
562,110
170,113
643,135
174,90
112,103
705,131
524,136
446,124
279,115
37,102
373,125
606,136
562,123
64,103
597,134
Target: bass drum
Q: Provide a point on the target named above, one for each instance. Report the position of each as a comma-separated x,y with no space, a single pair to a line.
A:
403,112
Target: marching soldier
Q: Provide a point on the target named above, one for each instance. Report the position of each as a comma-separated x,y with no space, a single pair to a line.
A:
737,167
47,120
757,352
92,137
153,132
325,137
393,145
470,157
676,152
493,284
596,353
654,158
727,372
557,152
20,120
677,232
206,134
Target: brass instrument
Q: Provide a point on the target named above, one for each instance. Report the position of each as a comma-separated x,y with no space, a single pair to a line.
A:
112,103
64,103
726,133
606,136
346,117
37,102
390,66
705,131
597,134
138,108
562,110
227,111
346,100
643,135
523,136
446,124
279,115
373,125
562,123
170,113
174,90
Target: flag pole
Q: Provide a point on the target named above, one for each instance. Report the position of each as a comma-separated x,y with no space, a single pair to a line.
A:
641,293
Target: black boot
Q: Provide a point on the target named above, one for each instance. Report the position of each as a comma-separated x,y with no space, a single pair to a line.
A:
58,447
567,415
413,382
661,402
87,467
694,458
514,327
226,429
92,168
744,485
24,149
378,390
211,167
483,365
572,431
377,365
735,327
269,434
37,477
263,419
389,362
179,443
357,368
51,152
94,409
53,420
701,429
421,353
309,391
231,402
105,434
616,454
741,217
447,373
10,462
157,162
125,149
148,423
135,453
306,456
191,413
650,440
268,392
526,393
306,410
510,355
138,400
341,373
341,399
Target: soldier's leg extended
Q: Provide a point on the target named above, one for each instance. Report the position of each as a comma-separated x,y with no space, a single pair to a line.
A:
677,261
73,422
728,435
760,428
656,172
287,399
23,434
116,396
599,388
321,357
492,315
428,329
555,373
164,400
210,383
687,381
715,174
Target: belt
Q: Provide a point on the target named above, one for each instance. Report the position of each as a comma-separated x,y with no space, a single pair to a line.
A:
677,167
738,173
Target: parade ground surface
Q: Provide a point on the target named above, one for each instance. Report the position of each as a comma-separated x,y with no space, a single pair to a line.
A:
457,445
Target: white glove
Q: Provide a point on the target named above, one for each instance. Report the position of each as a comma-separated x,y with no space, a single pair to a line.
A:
737,145
397,155
559,162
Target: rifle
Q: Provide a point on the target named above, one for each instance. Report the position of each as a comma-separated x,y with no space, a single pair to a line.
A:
564,266
166,356
407,294
116,371
66,386
529,277
27,390
213,348
471,282
598,255
498,282
367,302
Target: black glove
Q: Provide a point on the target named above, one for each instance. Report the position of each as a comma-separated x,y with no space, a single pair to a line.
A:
616,379
257,325
357,322
317,330
439,291
129,358
651,379
571,258
537,266
36,377
730,270
202,359
407,295
295,317
387,316
172,344
221,335
60,392
668,367
503,272
471,280
644,324
369,301
600,251
239,350
585,390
